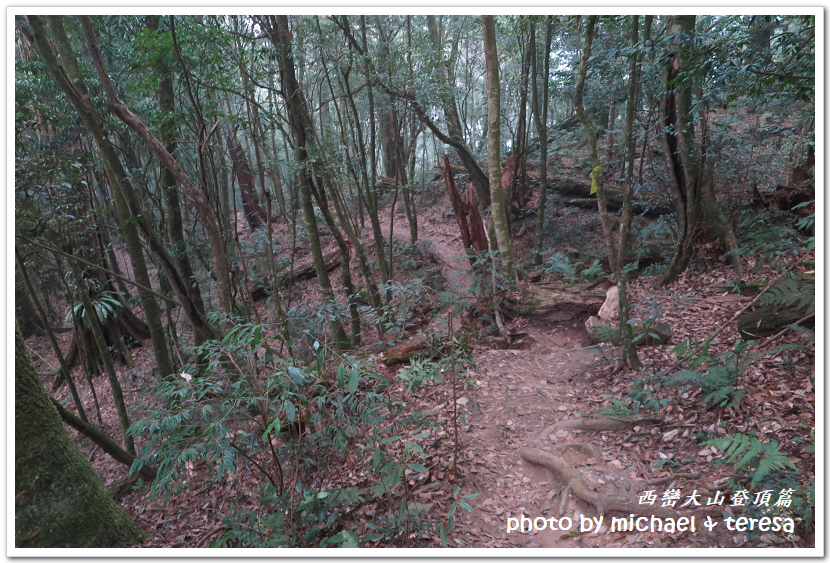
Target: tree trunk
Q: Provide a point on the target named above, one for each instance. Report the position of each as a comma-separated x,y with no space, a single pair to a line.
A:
466,214
67,74
192,301
541,120
221,264
100,342
59,501
64,366
477,175
498,212
591,132
628,353
680,145
300,124
250,202
617,251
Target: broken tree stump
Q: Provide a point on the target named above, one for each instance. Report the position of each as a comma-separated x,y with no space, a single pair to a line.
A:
419,343
466,213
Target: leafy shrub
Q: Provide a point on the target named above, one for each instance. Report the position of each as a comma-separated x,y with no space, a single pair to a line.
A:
106,303
419,373
286,418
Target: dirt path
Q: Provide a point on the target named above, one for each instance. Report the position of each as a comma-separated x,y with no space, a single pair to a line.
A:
536,398
519,394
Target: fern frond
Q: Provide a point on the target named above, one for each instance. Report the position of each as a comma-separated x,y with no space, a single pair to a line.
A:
751,451
784,293
688,376
808,334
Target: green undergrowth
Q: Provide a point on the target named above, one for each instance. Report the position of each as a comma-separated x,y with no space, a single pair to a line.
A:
340,459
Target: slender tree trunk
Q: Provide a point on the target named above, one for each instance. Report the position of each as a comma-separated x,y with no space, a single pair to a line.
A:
541,120
372,192
499,211
221,264
477,176
341,208
66,72
64,366
591,132
617,252
717,225
192,299
300,124
628,353
109,367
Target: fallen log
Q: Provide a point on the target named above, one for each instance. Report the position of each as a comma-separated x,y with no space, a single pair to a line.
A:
767,321
553,304
306,271
574,193
416,344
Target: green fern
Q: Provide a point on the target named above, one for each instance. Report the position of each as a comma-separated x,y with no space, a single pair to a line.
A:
761,458
785,293
559,263
606,333
806,333
718,384
789,293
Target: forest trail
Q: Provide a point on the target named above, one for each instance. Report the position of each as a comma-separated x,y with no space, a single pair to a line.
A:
517,397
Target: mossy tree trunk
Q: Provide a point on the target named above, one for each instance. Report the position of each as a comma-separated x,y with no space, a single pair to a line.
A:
499,209
59,500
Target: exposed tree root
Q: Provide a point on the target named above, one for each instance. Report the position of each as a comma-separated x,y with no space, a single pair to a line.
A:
576,483
602,424
589,450
670,478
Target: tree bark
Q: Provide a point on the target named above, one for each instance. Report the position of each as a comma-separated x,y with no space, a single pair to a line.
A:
300,124
499,212
250,202
68,76
477,176
59,501
466,214
541,121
